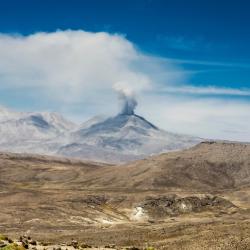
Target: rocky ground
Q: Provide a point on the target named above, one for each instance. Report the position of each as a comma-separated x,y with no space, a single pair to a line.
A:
26,242
67,204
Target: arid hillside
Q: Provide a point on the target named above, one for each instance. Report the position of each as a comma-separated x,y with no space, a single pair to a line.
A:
198,198
207,166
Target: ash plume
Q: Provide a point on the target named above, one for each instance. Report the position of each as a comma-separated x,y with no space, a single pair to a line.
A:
127,99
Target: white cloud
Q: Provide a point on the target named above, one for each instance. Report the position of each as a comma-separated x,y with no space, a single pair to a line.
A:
74,63
74,72
204,117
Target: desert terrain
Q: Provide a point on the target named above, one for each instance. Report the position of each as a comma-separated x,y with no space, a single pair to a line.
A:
198,198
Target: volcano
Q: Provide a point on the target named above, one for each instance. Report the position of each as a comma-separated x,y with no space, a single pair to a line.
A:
119,139
122,138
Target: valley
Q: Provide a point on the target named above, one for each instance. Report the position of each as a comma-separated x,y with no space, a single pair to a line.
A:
198,198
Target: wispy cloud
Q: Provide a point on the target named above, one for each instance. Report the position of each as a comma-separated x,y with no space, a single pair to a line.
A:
184,43
206,63
213,118
207,90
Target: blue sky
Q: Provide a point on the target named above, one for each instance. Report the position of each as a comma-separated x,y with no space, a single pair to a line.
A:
213,31
181,53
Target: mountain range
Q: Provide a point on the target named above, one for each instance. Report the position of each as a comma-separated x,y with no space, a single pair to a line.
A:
122,138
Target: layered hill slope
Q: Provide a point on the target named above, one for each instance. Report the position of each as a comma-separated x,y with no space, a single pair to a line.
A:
207,166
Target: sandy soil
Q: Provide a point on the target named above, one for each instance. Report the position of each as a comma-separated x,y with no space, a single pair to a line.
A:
57,200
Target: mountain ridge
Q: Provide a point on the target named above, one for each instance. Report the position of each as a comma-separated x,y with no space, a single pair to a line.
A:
118,139
125,134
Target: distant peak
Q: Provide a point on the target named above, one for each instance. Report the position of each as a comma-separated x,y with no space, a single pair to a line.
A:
143,119
135,118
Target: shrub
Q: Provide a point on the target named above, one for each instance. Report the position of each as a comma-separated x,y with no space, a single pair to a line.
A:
3,237
13,246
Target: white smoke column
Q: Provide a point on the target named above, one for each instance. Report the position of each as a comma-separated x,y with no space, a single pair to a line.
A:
127,98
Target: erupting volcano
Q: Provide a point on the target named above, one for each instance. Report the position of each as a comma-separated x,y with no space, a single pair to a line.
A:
124,137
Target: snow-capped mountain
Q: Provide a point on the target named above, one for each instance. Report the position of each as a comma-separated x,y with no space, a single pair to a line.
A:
117,139
122,138
27,131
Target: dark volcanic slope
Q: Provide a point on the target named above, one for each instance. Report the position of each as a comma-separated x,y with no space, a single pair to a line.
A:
207,166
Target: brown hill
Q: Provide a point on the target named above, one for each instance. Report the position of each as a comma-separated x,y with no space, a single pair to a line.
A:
166,200
207,166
